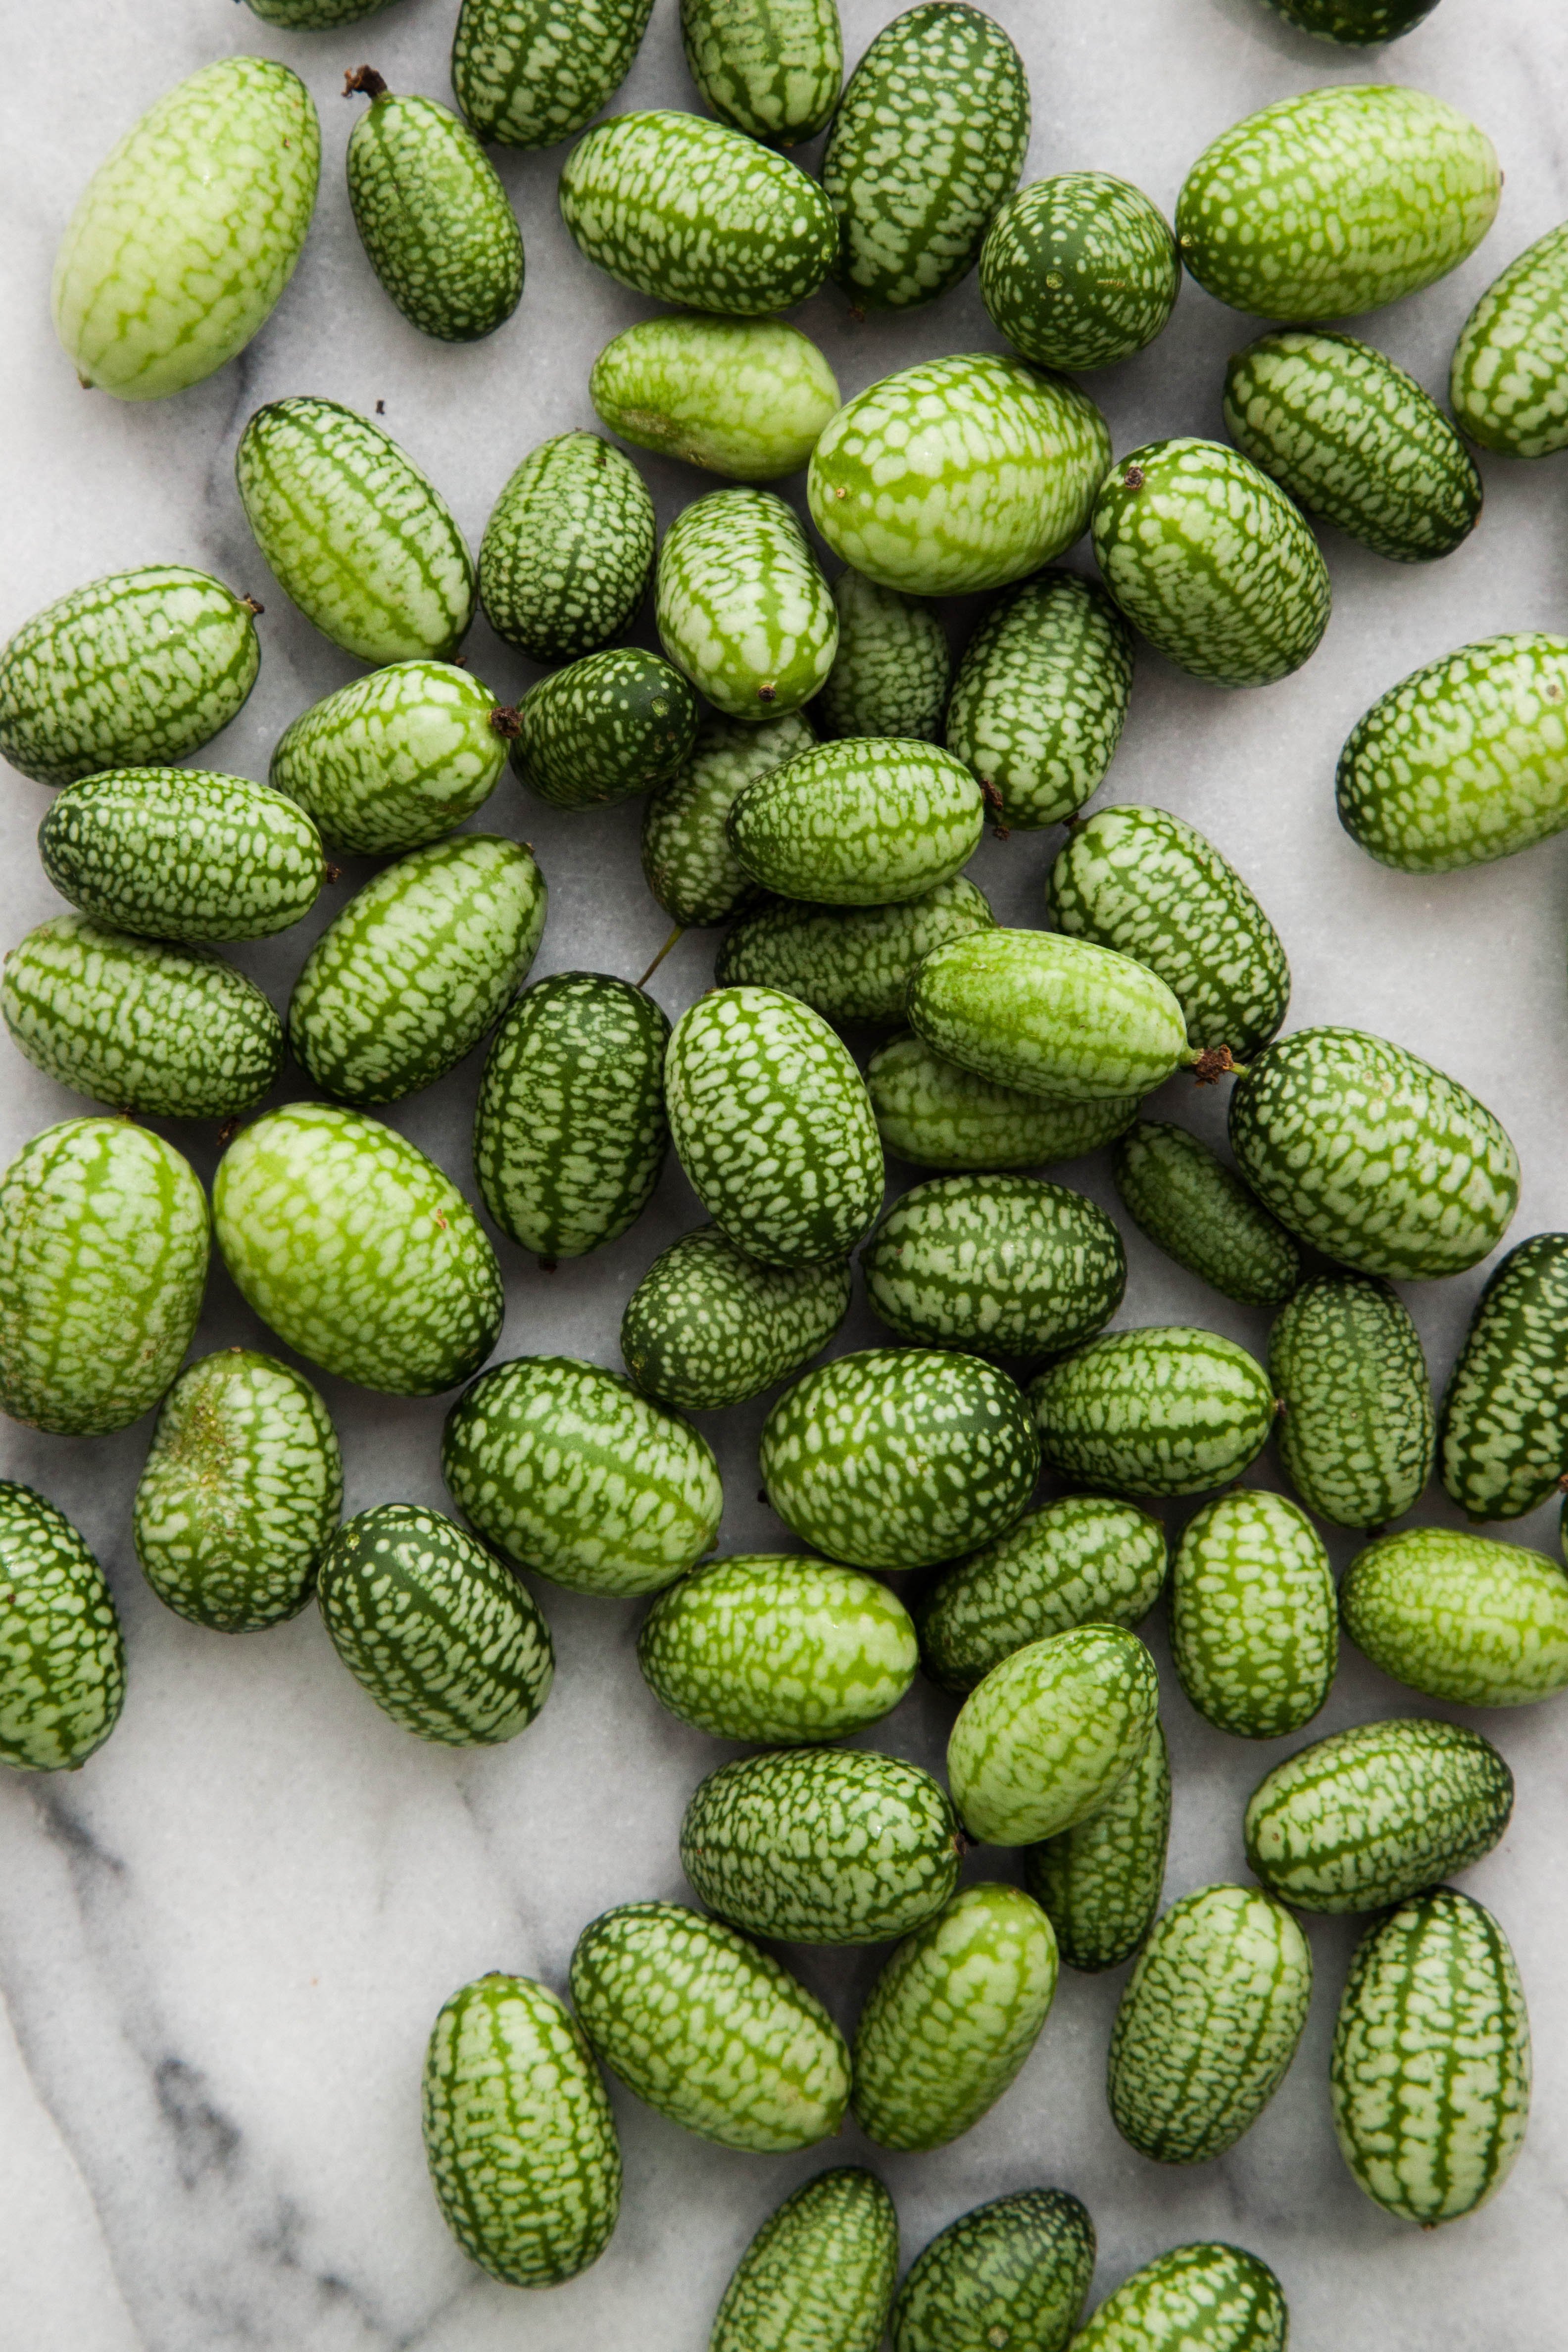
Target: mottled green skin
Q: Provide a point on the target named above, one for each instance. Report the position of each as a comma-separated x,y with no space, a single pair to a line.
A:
1049,1015
1461,1616
891,672
314,16
189,230
354,534
769,68
707,1326
951,2018
1254,1629
1160,1410
848,963
434,218
746,397
1372,1155
1429,2079
1362,1818
710,2030
1503,1428
357,1250
1353,439
566,1470
137,669
1012,2273
1082,1560
944,1453
604,729
687,860
1208,2297
1003,1266
62,1658
1099,1883
527,73
567,552
1508,381
240,1492
1049,1734
517,2133
936,1115
777,1648
1356,1436
103,1260
1357,24
393,760
1079,270
570,1133
930,137
866,823
1196,1210
960,473
741,605
1369,192
1040,699
819,2274
180,854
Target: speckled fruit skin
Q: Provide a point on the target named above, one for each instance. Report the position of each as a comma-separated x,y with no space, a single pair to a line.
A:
1507,382
527,73
819,2274
1355,1437
1042,1742
1160,1410
1079,270
1196,1210
1004,1266
1040,699
1503,1437
1460,1616
742,607
1099,1883
934,1114
1049,1015
604,729
62,1658
867,823
357,1250
1357,24
707,1326
1253,1633
687,860
517,2133
434,218
314,16
1209,2296
848,963
188,231
393,760
746,397
769,68
891,672
567,552
1077,1560
1015,2270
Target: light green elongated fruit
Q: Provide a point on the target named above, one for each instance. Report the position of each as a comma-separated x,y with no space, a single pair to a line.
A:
1353,439
772,1123
566,1470
957,2009
1049,1015
1503,1431
891,672
687,860
1210,560
188,231
1366,192
1006,1266
415,969
395,758
746,397
567,552
1161,1410
569,1132
103,1260
819,2274
1358,23
1042,1742
1372,1155
709,2029
1079,270
944,1453
604,729
769,68
933,1113
929,136
1356,1437
741,605
1461,1616
517,2133
1040,699
707,1326
1099,1883
529,75
354,534
1507,381
821,1845
1196,1210
1207,2298
356,1249
432,214
959,473
180,854
1253,1630
1013,2272
866,823
62,1656
1429,2079
848,963
1082,1560
777,1648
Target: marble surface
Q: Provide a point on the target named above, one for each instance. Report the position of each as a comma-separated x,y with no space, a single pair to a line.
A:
222,1944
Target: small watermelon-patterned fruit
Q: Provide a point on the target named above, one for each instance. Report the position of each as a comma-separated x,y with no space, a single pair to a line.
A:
1082,1560
769,68
1079,271
1196,1210
178,853
1511,363
1099,1883
314,16
1460,1616
848,963
432,214
567,552
1358,23
891,672
936,1115
741,605
1040,699
1254,1635
395,758
1503,1439
1208,2297
1161,1410
707,1326
1012,2273
819,2274
1355,1434
1003,1266
63,1657
865,822
1049,1015
529,74
687,860
604,729
1050,1733
747,397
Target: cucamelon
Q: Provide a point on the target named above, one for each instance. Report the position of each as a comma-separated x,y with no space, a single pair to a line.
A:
395,758
567,552
1506,383
1079,270
1254,1634
1045,1738
1198,1210
528,74
1208,2297
859,823
1099,1883
1503,1445
820,2271
1082,1560
1015,2271
1359,24
707,1326
1461,1616
687,860
1008,1266
179,853
1049,1015
770,69
604,730
891,672
747,397
1355,1434
1164,1409
850,963
1040,699
62,1655
742,607
937,1115
432,214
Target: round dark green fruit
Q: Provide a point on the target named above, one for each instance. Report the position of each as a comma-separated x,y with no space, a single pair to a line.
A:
1012,2273
707,1326
1356,1433
1079,1560
604,730
432,214
1004,1266
1040,699
567,552
1079,271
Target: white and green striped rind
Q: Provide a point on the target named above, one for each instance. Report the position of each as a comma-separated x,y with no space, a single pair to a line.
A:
1079,270
240,1492
1013,2272
957,2009
1001,1266
528,74
1503,1445
568,550
1461,1616
866,823
1355,24
1254,1623
357,1250
740,606
1040,699
929,138
1099,1883
1049,1015
848,963
1429,2079
1196,1210
1208,2297
746,397
1212,562
180,854
517,2133
434,218
1353,439
103,1260
604,729
891,672
772,70
1050,1733
960,473
62,1658
1372,1155
819,2274
188,231
315,16
1336,201
709,2029
1508,381
942,1451
393,760
353,533
1082,1560
1164,1409
567,1471
936,1115
1357,1433
707,1326
687,860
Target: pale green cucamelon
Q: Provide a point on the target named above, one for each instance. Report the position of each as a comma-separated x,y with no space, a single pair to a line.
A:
865,822
741,605
819,2276
1040,699
529,74
687,860
707,1326
1161,1410
604,729
1082,1560
1007,1266
395,758
179,853
1503,1436
1079,270
1049,1015
568,550
1198,1210
62,1656
1045,1738
1254,1635
1099,1883
1461,1616
937,1115
1208,2297
848,963
432,214
1356,1433
747,397
891,672
1013,2272
771,67
1510,362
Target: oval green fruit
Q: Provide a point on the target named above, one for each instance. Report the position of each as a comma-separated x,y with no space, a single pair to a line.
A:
933,1113
62,1656
747,397
769,68
1512,359
529,74
567,552
314,16
1460,1616
861,824
820,2271
741,605
1079,270
1253,1633
178,853
891,672
395,758
432,214
1082,1560
687,860
1049,1015
1358,23
1013,2272
1042,1742
707,1326
1503,1434
848,963
1006,1266
1208,2297
604,729
1099,1883
1356,1434
1040,699
1161,1410
1196,1210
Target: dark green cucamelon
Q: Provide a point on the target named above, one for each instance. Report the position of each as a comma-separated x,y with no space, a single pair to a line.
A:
1013,2272
769,68
1506,380
687,860
1049,1015
1198,1210
432,214
936,1115
62,1656
1358,23
746,397
1503,1445
1164,1409
1082,1560
1254,1634
567,552
1050,1733
819,2274
1355,1434
891,672
314,16
528,74
604,730
1460,1616
1098,1883
707,1326
1208,2297
1040,699
1007,1266
866,823
179,853
1079,270
393,759
848,963
741,608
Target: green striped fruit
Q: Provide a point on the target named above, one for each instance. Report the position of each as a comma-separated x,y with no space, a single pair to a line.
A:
570,1133
432,214
395,758
1079,270
1049,1015
1254,1634
357,1250
1460,1616
819,2274
418,965
769,68
1161,1410
517,2133
957,2009
63,1657
777,1648
848,963
354,534
1336,201
1080,1560
1429,2079
1040,699
103,1260
772,1125
1012,2273
741,605
1358,23
568,1472
821,1845
960,473
1046,1738
529,74
1362,1818
891,672
567,552
135,670
1507,382
707,1328
1099,1883
936,1115
942,1453
314,16
930,137
710,2030
687,860
866,823
746,397
1353,439
1208,2297
188,231
1196,1210
1212,562
1356,1435
180,854
604,729
1503,1439
1001,1265
1373,1156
